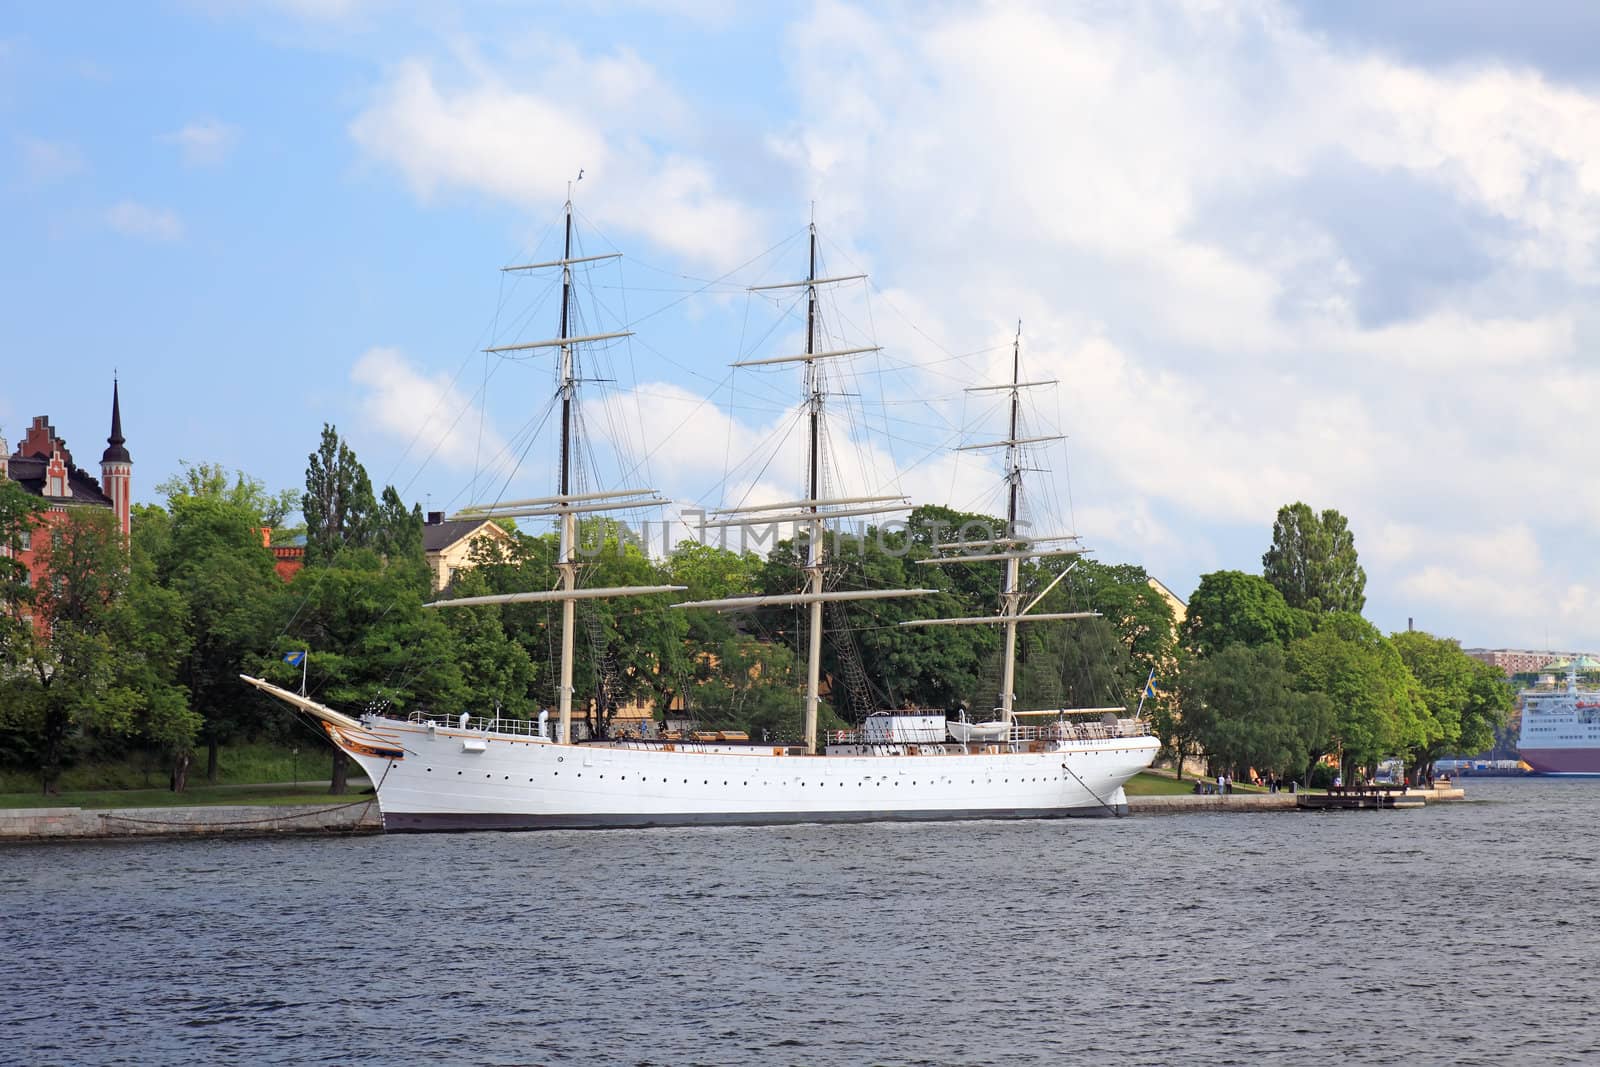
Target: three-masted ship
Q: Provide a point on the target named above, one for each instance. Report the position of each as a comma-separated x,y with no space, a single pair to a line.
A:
439,773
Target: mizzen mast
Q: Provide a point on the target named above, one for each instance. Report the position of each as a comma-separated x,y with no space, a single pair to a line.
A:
1013,548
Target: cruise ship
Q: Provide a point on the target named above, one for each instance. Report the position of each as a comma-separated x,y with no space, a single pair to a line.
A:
1561,728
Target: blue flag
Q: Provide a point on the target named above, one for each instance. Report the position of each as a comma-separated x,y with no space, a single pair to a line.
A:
1150,687
294,659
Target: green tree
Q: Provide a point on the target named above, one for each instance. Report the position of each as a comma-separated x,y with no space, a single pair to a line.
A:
1241,707
81,678
215,562
1233,607
1380,711
397,538
213,481
20,515
1312,561
1465,700
338,506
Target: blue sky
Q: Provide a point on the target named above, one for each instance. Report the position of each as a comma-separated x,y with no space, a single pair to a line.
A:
1273,251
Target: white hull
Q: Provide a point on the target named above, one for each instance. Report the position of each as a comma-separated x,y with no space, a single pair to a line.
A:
449,779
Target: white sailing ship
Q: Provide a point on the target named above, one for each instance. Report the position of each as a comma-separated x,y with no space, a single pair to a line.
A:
439,773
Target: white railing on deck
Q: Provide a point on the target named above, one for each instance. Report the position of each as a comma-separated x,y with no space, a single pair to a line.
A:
1054,731
516,727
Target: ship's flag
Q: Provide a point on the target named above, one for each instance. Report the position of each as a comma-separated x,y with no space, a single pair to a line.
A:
1150,690
294,659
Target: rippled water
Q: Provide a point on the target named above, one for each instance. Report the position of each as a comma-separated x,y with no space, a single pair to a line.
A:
1462,933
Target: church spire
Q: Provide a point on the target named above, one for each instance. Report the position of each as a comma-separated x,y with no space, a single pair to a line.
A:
115,452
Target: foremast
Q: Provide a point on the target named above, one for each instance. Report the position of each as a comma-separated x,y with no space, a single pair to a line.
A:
1013,547
815,510
565,506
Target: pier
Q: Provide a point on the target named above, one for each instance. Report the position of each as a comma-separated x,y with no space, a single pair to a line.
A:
41,824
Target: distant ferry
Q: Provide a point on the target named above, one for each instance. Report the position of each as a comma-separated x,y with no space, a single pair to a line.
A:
1561,728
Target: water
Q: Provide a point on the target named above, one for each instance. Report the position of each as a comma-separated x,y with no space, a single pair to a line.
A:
1461,933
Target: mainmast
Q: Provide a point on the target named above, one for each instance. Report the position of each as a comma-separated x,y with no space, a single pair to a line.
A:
565,506
814,511
565,564
813,477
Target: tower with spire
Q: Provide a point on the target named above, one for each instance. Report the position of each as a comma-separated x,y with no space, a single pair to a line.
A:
116,467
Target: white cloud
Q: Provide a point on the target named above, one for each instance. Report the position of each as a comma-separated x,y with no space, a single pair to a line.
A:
1264,268
430,416
205,143
524,144
49,161
133,219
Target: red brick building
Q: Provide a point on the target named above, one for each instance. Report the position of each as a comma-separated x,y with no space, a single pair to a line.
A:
43,465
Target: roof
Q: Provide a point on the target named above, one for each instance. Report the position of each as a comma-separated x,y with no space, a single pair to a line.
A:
441,535
29,472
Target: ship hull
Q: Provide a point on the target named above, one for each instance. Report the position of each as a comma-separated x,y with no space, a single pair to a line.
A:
450,780
1570,761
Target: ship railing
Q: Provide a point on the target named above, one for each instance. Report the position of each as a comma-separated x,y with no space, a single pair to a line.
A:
515,727
1065,730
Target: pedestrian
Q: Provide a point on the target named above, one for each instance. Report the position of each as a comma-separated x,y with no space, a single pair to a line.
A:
1222,783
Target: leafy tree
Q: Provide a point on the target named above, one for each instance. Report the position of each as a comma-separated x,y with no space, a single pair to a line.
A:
1241,707
370,640
20,514
1465,700
1380,709
80,678
215,562
213,481
338,506
1233,607
1312,561
397,538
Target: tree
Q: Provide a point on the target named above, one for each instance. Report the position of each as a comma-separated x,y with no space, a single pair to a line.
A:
1465,700
82,677
213,481
1233,607
1239,704
338,506
1380,711
215,562
397,538
1312,561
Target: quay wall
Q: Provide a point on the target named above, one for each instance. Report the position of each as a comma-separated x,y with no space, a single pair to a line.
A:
1190,802
35,824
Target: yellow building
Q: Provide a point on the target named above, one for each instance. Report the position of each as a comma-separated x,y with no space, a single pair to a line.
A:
448,544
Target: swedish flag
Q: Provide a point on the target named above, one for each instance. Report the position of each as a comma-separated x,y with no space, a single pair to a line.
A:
1150,691
294,659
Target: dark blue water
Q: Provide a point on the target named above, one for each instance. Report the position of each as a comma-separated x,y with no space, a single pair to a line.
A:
1461,933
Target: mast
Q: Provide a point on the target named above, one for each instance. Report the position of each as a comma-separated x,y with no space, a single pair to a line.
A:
566,506
815,510
813,473
569,521
1009,594
1011,549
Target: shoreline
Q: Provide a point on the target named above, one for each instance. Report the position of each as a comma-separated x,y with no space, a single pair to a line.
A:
362,817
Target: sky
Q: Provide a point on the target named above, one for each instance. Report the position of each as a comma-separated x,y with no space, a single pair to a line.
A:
1267,252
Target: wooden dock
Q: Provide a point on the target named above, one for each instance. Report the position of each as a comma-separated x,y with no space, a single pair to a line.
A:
1361,797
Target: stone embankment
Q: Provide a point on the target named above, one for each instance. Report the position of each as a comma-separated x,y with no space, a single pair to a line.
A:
36,824
1183,803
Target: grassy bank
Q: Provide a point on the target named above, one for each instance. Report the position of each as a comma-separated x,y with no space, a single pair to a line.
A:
256,763
196,796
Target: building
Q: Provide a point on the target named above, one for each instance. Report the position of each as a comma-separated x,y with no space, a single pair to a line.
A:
1516,661
287,559
43,465
448,544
